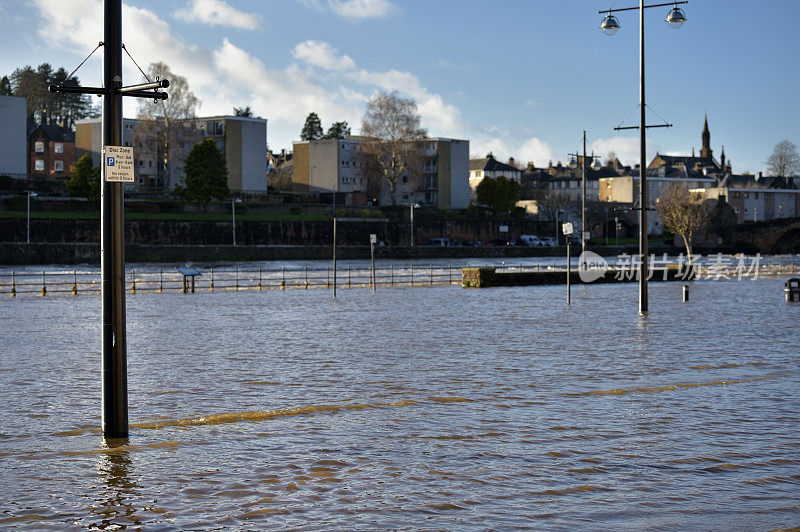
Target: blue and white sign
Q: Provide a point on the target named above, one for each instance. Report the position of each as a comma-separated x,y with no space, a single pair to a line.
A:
118,164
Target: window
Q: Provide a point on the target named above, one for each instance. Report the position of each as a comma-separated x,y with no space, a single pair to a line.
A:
58,166
141,162
755,195
38,165
746,195
58,147
150,163
735,195
38,147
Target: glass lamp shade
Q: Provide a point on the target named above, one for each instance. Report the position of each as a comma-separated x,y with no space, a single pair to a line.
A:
596,165
610,24
573,163
676,17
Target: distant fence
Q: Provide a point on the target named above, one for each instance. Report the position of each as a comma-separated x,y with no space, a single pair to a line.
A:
76,282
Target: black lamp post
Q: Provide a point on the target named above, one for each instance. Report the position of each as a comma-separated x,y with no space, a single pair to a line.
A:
610,25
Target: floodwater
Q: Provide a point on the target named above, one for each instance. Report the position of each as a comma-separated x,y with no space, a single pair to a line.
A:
413,407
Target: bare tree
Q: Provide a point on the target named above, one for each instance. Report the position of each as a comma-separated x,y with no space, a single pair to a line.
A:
682,213
784,161
392,129
167,124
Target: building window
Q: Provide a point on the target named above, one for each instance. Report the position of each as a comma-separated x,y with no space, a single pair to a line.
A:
735,195
58,166
38,147
746,195
38,165
755,195
58,147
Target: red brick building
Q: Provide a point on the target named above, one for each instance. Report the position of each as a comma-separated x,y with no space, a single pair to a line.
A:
51,152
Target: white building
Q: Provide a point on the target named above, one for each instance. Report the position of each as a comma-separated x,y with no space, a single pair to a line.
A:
242,140
13,136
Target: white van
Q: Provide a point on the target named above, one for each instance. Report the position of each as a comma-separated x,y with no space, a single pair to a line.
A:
530,240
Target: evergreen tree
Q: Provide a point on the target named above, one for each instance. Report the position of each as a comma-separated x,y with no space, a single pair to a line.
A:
338,130
206,173
312,130
83,174
500,194
243,111
5,87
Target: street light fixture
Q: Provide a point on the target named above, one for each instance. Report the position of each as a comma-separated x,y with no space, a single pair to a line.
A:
234,201
412,221
610,25
30,195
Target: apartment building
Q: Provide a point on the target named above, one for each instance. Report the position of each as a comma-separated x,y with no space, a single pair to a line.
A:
242,140
625,189
757,200
336,165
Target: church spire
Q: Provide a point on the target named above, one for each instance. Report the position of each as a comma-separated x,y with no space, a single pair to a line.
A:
705,151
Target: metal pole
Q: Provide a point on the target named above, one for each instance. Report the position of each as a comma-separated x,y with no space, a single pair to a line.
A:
334,253
114,381
643,196
372,254
29,218
233,210
569,272
583,204
412,225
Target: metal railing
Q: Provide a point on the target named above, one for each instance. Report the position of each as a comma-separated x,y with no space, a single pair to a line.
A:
77,282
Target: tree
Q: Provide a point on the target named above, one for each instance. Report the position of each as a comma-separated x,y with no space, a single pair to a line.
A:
312,129
161,129
682,213
85,180
44,107
500,194
206,173
338,130
5,87
243,111
392,129
784,161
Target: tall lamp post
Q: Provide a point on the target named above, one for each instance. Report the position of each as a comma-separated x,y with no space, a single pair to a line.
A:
412,221
234,201
30,194
610,25
573,163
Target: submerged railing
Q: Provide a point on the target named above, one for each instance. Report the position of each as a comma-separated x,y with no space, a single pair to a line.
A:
76,282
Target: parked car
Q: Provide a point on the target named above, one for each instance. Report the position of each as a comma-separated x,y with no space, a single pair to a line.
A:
548,241
530,240
439,242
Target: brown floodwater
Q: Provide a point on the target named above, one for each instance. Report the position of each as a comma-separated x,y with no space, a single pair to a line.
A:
413,407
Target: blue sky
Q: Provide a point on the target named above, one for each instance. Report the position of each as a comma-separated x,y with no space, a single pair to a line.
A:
521,78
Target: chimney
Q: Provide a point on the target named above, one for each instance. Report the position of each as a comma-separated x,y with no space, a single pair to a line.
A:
760,175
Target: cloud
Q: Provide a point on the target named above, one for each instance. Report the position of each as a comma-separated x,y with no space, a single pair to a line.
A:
355,10
323,55
625,148
223,75
504,145
217,13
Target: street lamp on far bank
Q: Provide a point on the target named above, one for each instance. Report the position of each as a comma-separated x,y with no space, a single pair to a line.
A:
30,195
610,25
234,201
412,221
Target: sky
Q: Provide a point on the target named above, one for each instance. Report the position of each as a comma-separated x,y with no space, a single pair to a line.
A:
519,78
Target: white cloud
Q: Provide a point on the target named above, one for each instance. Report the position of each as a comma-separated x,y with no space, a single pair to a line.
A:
323,55
225,75
504,145
355,10
217,13
625,148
